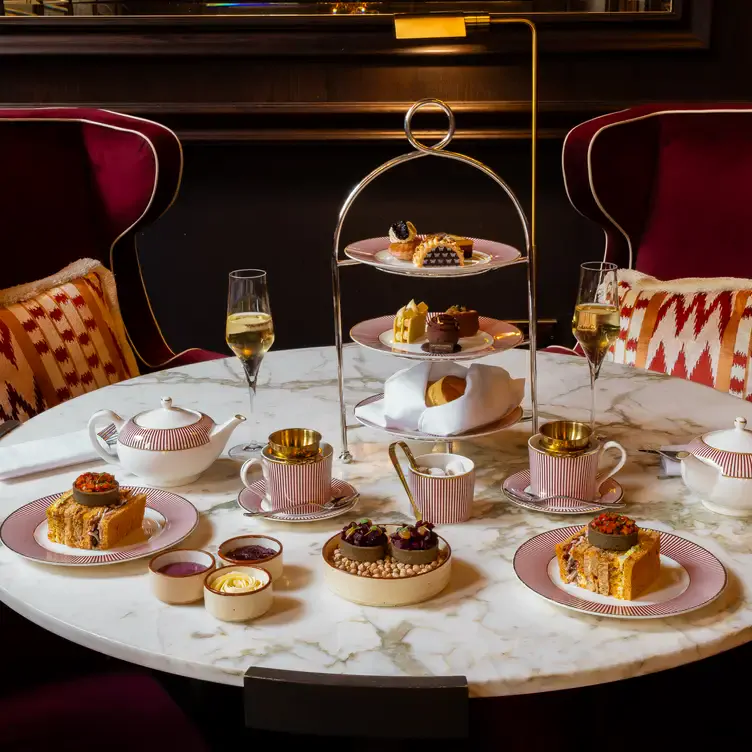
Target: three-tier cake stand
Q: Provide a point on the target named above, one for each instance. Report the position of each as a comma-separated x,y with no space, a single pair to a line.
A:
365,252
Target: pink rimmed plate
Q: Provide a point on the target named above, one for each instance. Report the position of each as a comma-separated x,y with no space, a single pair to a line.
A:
168,519
253,499
691,577
493,336
487,255
610,492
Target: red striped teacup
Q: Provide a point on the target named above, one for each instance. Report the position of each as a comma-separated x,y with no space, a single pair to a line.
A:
292,483
443,499
573,475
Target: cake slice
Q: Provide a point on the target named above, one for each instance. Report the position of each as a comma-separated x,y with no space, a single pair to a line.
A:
623,574
94,527
410,323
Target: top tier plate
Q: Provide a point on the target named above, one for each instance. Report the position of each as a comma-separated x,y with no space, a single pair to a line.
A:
487,255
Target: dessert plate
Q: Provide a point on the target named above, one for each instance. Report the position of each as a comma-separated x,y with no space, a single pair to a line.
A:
493,336
611,492
691,577
168,519
253,499
487,255
512,417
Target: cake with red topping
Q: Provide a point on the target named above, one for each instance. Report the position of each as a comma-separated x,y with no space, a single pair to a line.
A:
611,556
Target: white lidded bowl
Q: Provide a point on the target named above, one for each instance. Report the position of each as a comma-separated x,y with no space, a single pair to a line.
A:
369,591
238,606
272,564
177,589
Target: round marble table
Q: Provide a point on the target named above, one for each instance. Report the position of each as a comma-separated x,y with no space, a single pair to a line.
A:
486,626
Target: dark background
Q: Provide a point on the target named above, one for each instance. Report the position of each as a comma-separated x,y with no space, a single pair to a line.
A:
277,130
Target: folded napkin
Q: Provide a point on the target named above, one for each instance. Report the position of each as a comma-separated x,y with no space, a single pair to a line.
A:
45,454
490,394
670,468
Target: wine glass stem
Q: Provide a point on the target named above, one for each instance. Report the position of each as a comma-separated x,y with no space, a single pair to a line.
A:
593,377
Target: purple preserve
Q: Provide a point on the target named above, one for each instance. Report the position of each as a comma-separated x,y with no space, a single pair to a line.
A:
250,553
182,568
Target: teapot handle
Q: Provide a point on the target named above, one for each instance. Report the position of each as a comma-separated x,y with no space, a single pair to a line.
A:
105,454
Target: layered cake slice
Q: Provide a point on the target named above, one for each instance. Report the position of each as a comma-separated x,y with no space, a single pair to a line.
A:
410,323
92,526
611,556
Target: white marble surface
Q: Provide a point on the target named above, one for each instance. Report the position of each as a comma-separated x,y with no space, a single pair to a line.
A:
486,626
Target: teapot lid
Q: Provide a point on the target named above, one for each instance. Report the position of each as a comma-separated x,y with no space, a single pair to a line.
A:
737,439
167,416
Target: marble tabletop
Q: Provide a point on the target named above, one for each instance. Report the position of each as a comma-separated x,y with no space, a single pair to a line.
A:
486,626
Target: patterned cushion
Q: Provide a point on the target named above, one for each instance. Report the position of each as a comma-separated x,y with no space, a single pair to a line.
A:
696,329
60,337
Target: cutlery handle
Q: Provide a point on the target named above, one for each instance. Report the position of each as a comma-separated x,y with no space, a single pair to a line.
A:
393,457
8,426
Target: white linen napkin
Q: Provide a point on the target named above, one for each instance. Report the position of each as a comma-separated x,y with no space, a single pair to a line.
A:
671,468
45,454
490,394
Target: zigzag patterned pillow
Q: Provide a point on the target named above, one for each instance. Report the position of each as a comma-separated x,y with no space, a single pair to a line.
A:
60,337
696,329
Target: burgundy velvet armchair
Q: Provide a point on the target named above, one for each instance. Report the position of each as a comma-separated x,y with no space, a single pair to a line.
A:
669,185
82,183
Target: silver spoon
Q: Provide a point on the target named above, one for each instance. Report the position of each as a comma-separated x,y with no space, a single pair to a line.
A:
530,499
337,503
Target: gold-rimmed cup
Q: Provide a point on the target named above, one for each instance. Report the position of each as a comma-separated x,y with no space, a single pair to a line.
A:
295,443
565,436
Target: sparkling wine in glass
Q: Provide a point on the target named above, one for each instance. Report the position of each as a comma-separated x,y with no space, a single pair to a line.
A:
249,333
596,318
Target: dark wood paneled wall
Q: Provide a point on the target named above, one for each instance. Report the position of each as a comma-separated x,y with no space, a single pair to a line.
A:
274,143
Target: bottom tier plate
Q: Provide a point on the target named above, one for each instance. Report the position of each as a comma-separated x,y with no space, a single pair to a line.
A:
368,591
511,418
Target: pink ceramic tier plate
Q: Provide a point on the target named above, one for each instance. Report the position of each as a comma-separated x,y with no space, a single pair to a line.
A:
168,519
610,492
487,255
493,336
691,577
511,418
253,499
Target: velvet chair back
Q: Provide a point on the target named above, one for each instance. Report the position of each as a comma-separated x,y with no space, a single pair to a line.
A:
669,185
81,183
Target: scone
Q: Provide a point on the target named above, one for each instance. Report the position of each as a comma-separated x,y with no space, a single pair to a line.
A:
446,389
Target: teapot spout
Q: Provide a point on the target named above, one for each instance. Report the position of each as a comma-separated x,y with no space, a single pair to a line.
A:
221,434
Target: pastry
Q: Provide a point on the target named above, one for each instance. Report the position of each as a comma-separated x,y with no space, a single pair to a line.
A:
466,320
363,541
410,323
94,527
446,389
465,245
403,238
415,544
438,251
442,334
611,556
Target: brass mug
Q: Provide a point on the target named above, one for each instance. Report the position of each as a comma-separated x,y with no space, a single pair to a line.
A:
565,436
295,444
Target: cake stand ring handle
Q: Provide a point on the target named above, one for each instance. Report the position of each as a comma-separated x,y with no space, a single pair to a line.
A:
445,108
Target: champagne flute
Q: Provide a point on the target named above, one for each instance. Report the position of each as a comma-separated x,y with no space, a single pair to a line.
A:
596,318
249,333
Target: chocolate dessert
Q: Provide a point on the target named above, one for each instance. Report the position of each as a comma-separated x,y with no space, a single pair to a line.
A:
438,251
415,544
443,334
363,541
466,319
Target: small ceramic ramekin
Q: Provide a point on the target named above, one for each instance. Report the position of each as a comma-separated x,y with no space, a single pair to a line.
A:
180,588
272,564
238,606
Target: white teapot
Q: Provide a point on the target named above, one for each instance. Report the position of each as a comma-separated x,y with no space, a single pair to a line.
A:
718,468
169,446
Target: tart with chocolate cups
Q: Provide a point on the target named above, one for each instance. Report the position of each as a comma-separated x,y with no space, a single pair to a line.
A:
96,490
415,544
613,532
363,541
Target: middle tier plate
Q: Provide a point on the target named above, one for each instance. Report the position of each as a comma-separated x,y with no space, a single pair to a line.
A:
493,336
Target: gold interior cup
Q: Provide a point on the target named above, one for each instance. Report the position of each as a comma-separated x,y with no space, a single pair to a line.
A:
565,436
295,443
